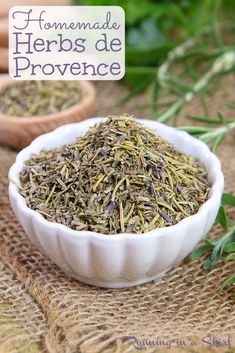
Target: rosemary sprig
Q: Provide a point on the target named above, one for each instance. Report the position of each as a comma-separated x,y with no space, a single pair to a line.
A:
213,136
186,83
221,65
213,132
223,246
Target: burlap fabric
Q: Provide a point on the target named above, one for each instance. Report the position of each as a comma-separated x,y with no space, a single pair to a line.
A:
42,310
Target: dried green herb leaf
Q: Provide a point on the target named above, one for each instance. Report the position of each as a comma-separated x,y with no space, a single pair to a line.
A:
34,98
119,177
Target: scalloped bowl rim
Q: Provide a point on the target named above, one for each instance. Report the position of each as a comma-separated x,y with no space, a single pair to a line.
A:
215,192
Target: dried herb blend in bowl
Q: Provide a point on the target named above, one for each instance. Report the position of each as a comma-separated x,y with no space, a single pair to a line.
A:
35,98
119,177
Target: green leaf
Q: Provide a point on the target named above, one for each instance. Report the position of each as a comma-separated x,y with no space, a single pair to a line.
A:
150,56
230,105
135,75
146,35
200,15
155,91
180,85
220,117
215,257
216,254
201,250
217,142
208,264
231,223
228,200
231,257
137,10
222,218
230,280
229,247
135,91
195,129
206,120
204,103
216,7
182,18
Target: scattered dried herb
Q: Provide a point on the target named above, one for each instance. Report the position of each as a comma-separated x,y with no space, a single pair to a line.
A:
34,98
119,177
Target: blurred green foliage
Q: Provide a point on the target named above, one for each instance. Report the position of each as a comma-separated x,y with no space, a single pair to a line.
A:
153,27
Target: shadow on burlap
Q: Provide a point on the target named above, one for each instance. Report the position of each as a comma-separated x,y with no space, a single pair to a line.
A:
43,310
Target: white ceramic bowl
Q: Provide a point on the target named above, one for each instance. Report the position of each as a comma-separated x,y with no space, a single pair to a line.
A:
120,260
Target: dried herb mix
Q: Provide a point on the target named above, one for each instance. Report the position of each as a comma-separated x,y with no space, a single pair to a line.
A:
119,177
34,98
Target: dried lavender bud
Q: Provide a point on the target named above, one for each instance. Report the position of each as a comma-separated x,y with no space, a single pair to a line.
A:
156,172
179,188
111,206
166,217
26,170
148,158
151,190
104,153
